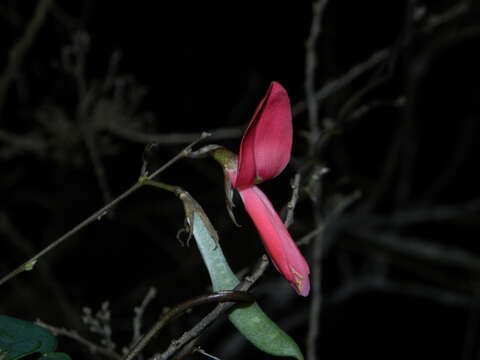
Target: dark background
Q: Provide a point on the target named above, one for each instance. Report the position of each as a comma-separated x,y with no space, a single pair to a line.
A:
98,81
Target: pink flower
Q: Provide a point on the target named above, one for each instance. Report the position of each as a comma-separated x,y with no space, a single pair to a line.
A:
264,153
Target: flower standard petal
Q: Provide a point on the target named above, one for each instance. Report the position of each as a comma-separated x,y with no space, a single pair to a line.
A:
279,244
267,143
273,134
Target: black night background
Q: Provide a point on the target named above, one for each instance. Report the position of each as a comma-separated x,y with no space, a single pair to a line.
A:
386,104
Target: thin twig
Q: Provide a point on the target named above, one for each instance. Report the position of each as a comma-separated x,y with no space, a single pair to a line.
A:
187,350
318,8
72,334
203,352
339,83
17,52
75,60
451,13
97,215
89,140
306,239
413,247
371,284
23,143
295,184
170,138
138,318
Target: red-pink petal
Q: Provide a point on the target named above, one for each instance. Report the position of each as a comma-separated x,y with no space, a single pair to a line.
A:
278,242
267,143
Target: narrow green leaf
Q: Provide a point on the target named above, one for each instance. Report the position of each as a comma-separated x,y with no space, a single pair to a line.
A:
250,320
19,338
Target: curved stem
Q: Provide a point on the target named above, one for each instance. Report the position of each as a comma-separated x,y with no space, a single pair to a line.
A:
219,296
220,309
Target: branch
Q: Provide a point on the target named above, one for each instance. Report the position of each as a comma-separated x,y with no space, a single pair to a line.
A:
339,83
371,284
72,334
17,52
318,8
170,138
295,185
450,14
22,143
138,317
418,248
89,140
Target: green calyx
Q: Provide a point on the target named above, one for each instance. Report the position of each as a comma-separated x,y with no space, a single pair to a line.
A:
225,157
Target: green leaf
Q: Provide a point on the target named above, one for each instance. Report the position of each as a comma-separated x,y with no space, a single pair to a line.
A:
19,338
250,320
